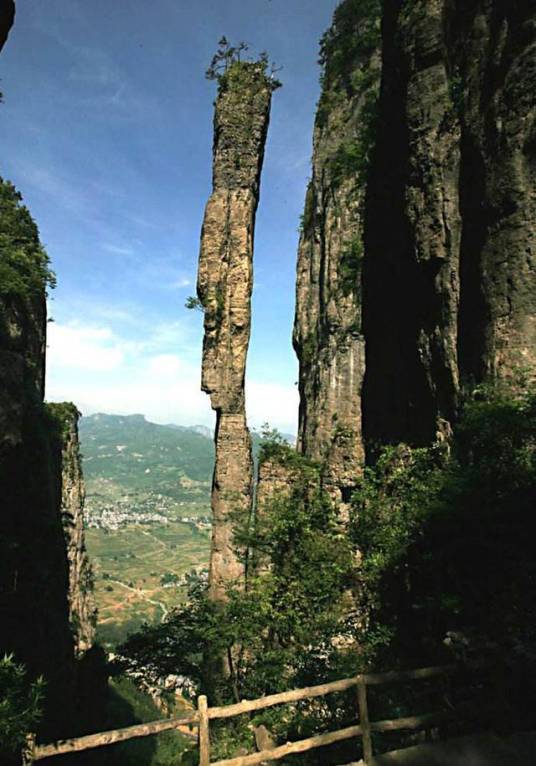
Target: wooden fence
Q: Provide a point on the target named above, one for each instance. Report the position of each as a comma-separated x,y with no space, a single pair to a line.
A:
204,714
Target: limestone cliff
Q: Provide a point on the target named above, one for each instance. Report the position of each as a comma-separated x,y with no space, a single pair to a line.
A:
416,265
328,334
450,283
34,572
224,288
494,82
411,272
82,607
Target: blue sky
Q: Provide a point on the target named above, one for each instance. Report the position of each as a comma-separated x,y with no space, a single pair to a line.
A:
106,129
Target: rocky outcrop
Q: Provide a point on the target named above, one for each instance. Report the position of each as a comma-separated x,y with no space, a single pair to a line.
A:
494,52
224,288
7,17
82,607
34,575
454,175
328,334
411,271
416,264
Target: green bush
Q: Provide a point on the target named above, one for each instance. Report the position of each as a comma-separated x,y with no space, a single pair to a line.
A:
20,704
24,266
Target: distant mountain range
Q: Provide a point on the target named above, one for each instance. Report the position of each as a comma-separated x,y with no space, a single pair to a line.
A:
127,455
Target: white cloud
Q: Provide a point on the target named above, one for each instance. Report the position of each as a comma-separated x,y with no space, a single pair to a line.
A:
83,348
274,403
103,372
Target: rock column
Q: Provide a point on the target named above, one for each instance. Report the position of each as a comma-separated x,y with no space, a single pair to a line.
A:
328,335
224,288
82,607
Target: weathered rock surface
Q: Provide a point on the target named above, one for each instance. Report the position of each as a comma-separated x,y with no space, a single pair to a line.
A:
494,49
82,606
328,335
411,271
33,562
426,198
45,580
225,281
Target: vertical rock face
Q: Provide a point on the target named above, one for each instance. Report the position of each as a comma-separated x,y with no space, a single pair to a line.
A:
82,607
34,572
416,270
495,53
328,333
411,273
450,290
224,289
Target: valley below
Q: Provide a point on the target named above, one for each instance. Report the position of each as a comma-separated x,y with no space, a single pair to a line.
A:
147,517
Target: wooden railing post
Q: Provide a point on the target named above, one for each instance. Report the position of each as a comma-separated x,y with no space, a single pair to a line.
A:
28,752
204,734
364,721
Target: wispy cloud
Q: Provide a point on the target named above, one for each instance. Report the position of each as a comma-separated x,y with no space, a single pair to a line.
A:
118,249
181,282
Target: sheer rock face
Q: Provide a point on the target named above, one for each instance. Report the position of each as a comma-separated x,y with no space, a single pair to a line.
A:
435,227
82,607
34,573
449,273
328,335
495,52
224,286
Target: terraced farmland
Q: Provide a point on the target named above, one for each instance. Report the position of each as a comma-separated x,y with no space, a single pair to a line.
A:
129,566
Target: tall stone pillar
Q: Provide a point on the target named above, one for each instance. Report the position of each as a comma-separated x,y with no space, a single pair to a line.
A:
224,286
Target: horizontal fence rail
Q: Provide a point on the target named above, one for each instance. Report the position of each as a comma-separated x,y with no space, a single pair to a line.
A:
204,714
76,744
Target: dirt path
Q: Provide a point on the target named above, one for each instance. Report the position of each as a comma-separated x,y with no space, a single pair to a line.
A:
143,595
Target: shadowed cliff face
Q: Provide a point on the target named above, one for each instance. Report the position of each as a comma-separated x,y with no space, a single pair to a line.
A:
411,273
450,291
328,334
225,280
494,46
416,264
33,561
82,607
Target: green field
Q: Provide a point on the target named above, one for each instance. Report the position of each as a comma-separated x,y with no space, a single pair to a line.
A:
129,564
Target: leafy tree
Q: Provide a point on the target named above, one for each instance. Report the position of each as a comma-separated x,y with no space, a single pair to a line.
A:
20,705
192,302
447,561
230,58
24,266
286,628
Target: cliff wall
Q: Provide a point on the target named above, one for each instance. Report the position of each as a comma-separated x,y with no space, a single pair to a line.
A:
33,563
435,181
39,481
328,332
82,606
224,286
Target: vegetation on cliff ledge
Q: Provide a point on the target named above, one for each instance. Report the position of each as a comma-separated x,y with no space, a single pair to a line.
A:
24,267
